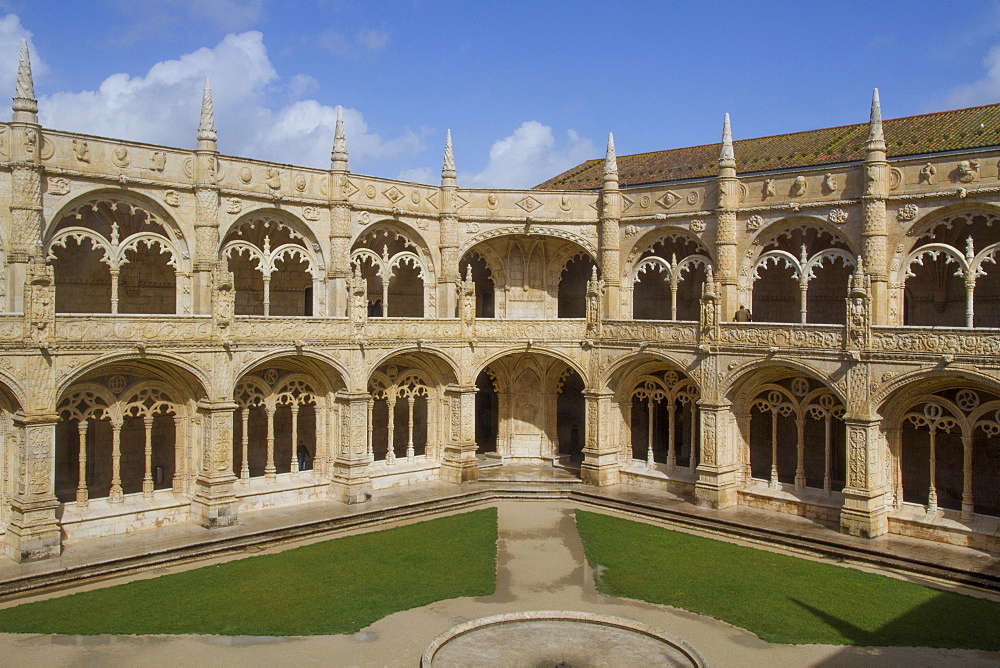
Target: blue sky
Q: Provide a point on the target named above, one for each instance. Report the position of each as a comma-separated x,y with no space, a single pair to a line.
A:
528,88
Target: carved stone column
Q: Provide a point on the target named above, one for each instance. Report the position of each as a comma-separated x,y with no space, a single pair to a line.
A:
448,275
206,196
600,451
448,236
864,511
460,463
33,531
206,230
339,265
351,482
726,226
875,235
214,502
718,467
25,143
610,233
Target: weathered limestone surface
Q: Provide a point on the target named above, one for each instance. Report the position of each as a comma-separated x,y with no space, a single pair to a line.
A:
186,329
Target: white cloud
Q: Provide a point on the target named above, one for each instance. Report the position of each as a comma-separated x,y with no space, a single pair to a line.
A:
163,107
984,91
11,34
373,40
528,157
362,43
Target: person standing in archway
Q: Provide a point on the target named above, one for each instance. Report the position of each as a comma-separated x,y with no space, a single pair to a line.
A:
303,454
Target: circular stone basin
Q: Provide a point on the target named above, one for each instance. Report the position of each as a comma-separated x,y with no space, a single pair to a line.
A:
557,638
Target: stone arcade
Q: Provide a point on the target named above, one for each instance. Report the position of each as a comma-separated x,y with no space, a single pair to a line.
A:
175,323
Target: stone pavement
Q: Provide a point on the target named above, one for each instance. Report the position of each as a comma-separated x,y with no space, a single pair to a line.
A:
541,566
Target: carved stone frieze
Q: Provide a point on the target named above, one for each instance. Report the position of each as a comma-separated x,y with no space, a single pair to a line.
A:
783,337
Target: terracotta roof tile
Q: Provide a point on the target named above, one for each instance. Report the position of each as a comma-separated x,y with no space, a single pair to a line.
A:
961,129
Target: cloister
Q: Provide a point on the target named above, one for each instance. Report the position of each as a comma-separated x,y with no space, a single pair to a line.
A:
178,323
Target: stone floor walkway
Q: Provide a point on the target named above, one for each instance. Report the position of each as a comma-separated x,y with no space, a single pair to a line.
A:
541,566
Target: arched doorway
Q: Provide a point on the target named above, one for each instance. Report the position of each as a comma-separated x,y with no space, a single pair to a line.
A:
540,409
487,413
571,417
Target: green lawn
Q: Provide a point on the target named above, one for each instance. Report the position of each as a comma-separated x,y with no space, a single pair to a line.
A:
338,586
782,599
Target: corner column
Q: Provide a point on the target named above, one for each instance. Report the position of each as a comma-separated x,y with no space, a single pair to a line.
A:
33,532
214,502
460,464
351,481
600,452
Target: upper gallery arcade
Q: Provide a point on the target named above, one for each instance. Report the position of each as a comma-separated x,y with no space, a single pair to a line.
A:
188,336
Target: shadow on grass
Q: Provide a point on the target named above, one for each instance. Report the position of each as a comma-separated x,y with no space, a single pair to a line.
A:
939,622
780,598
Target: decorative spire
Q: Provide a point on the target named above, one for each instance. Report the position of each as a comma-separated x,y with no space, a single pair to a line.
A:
859,279
448,173
25,105
206,127
338,157
708,287
876,140
611,161
726,157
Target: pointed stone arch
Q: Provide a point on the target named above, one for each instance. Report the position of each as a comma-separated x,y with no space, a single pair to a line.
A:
789,429
123,432
283,401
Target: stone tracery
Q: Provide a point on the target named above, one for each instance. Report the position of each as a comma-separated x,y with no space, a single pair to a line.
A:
807,260
128,240
271,261
547,341
784,450
950,276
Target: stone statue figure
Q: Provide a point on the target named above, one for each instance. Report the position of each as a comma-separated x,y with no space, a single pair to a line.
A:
467,297
595,290
357,304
